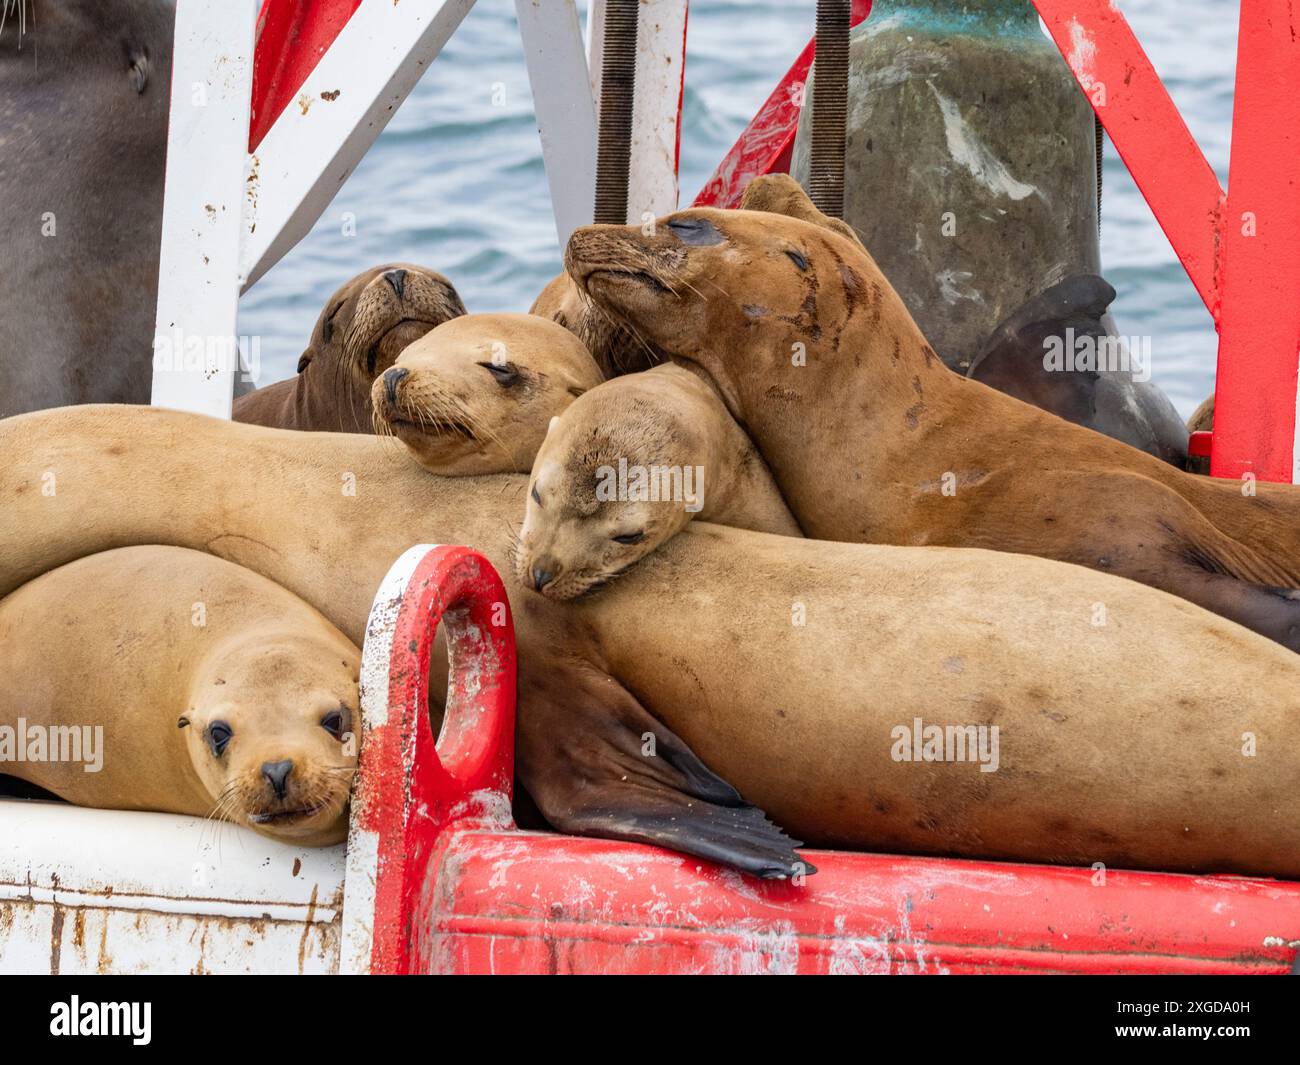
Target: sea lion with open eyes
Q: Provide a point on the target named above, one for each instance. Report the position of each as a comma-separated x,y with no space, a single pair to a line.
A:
360,332
477,393
733,672
183,684
871,438
626,467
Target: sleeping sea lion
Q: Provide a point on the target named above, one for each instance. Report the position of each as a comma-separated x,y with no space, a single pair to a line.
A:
183,684
476,394
626,467
361,330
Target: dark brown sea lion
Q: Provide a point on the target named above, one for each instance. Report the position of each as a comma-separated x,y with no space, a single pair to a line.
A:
872,439
83,146
361,330
739,656
1094,387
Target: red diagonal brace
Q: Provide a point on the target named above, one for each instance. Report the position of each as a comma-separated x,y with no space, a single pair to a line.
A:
1146,129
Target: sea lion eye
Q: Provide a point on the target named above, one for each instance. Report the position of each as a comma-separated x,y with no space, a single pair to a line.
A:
335,722
695,231
327,331
505,375
798,260
629,538
219,734
536,498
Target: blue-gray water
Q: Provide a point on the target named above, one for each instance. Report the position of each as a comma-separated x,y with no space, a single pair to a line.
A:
456,183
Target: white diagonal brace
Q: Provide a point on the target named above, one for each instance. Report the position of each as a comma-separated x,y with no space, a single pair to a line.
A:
341,108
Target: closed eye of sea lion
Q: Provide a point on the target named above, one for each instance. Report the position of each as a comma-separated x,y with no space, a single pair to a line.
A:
872,439
476,394
219,694
361,330
625,468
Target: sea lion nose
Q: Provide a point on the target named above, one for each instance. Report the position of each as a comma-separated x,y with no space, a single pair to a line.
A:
277,774
544,572
397,278
393,378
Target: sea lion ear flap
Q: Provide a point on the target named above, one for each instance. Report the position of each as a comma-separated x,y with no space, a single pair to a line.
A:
612,770
304,360
781,194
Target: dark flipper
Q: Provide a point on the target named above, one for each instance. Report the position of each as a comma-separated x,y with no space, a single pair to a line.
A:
597,763
1111,402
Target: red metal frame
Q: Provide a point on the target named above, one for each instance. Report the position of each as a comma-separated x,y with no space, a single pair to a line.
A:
415,794
767,143
460,890
1239,252
292,35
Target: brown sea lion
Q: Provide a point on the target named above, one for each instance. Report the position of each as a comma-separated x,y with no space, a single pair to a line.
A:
626,467
360,332
616,349
183,684
1136,729
83,150
477,393
872,439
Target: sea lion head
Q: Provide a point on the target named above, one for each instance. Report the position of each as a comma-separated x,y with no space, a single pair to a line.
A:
592,509
477,393
616,349
271,728
734,292
366,323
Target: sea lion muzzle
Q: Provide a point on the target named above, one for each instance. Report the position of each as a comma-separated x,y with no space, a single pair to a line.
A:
397,278
277,775
393,378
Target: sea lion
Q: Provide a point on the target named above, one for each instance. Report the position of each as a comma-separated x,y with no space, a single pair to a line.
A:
1034,353
197,687
361,330
626,467
734,656
871,438
83,147
616,349
476,394
782,194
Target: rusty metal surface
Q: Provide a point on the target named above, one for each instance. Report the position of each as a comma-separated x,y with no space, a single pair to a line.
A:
106,891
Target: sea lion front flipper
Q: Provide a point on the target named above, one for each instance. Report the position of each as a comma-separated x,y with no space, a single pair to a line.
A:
597,763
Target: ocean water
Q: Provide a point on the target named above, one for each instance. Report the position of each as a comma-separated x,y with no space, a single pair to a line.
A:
456,181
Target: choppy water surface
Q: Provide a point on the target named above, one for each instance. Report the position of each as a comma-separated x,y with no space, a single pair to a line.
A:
456,181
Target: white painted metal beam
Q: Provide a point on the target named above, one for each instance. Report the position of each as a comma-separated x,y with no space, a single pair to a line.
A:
656,118
207,149
562,101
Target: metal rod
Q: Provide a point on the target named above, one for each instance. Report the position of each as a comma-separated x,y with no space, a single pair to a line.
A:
830,107
614,126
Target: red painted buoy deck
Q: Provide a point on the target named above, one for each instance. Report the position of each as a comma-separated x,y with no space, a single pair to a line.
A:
458,889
